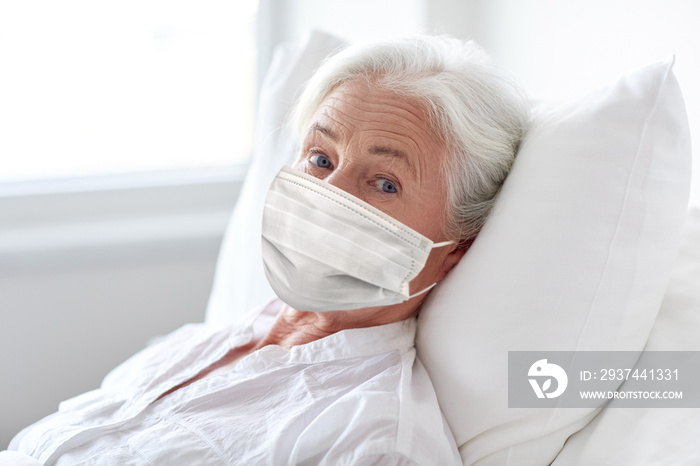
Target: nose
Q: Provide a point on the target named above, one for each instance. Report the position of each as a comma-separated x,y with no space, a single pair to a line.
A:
345,179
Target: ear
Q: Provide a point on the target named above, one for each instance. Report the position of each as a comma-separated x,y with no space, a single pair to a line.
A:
454,257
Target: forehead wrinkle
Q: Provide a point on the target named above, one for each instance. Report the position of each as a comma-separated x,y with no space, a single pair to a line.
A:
415,130
404,119
410,110
394,154
390,138
411,139
318,127
380,148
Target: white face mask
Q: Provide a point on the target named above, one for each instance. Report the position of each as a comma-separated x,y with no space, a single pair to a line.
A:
326,250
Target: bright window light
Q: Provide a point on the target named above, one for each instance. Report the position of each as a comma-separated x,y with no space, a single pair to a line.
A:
103,87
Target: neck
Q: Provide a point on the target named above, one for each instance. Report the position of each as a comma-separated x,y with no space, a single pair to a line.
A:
293,327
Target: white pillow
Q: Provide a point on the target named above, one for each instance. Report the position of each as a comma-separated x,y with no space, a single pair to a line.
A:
576,256
653,435
239,283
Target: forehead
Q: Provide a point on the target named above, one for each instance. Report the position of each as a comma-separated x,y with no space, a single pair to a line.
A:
362,106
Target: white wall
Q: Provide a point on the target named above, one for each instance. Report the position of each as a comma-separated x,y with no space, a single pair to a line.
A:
63,329
289,20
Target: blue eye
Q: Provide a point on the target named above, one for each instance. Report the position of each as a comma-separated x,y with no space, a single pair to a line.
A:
320,161
387,186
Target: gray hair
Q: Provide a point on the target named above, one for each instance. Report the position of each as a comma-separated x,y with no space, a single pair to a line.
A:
481,116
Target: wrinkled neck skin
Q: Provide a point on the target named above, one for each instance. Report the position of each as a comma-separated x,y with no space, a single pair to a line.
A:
293,327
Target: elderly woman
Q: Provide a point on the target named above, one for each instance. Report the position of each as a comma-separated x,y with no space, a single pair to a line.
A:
405,145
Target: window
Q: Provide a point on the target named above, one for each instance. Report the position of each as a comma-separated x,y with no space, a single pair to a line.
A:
102,87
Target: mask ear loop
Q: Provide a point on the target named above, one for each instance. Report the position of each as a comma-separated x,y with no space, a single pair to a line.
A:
436,245
444,243
421,292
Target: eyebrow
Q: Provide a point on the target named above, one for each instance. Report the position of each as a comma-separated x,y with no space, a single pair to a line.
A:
323,130
374,150
394,153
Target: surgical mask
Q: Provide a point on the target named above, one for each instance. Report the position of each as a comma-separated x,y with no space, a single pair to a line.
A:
326,250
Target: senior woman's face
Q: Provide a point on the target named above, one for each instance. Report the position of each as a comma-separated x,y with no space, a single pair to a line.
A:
378,147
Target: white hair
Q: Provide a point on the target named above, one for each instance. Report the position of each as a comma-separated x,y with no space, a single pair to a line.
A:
480,115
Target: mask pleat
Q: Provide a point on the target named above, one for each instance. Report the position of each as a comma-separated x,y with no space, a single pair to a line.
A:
323,214
304,289
334,254
292,182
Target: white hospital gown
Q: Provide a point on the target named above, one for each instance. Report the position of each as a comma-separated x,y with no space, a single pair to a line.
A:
356,397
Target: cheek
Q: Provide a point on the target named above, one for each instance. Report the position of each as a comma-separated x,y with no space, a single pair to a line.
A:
426,216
